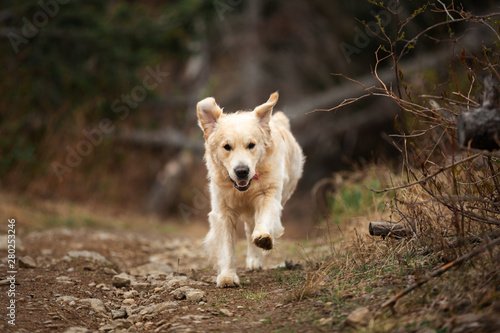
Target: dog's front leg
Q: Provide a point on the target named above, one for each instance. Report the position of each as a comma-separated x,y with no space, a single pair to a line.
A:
254,254
267,223
221,241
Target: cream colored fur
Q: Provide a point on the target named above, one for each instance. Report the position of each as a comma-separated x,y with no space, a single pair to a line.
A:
264,146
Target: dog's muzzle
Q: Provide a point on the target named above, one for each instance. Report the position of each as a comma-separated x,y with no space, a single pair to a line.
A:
243,185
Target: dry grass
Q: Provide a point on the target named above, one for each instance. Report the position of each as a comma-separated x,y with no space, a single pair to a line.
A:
445,195
362,270
35,215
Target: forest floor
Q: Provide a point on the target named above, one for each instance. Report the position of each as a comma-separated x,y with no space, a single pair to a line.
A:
81,270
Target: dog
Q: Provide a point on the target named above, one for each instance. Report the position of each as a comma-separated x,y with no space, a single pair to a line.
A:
254,164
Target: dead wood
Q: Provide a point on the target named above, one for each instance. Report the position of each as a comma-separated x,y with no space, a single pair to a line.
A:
480,128
385,229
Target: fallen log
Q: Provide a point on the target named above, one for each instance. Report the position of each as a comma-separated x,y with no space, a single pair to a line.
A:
480,128
385,229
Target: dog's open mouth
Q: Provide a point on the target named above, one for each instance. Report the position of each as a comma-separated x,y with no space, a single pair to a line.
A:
243,185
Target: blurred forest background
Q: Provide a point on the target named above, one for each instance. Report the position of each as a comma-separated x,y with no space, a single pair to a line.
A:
98,97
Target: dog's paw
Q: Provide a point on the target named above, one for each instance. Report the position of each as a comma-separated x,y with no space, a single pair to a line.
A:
264,241
228,281
254,264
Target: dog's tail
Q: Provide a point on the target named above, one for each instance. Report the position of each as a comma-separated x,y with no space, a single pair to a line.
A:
280,119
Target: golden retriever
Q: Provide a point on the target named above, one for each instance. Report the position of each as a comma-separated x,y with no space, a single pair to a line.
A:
254,164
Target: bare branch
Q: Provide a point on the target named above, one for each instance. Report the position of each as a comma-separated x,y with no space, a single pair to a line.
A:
428,177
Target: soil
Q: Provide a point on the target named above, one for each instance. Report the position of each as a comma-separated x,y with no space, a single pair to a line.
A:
70,286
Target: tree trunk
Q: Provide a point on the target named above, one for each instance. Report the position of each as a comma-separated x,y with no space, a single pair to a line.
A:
480,128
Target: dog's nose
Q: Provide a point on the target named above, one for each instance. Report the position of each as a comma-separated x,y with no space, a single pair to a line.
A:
241,171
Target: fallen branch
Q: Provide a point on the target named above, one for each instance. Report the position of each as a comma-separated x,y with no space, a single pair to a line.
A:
385,229
478,250
461,241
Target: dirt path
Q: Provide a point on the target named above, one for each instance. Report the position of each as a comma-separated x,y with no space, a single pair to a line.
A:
136,282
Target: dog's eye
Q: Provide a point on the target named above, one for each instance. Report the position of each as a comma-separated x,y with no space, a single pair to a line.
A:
251,145
227,147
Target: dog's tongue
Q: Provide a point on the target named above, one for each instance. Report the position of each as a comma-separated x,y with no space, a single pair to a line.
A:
242,184
256,177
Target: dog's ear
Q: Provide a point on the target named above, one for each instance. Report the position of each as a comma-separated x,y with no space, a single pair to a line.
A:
263,112
208,112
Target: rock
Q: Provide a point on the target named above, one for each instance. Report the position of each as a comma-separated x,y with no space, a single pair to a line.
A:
27,262
156,308
151,268
211,279
176,282
64,279
109,271
65,299
359,317
77,329
121,280
194,318
4,243
95,304
141,286
130,294
196,295
226,312
88,255
117,314
114,326
190,294
128,301
325,321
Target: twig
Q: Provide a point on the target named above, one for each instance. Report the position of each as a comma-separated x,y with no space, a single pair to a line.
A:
459,198
495,180
460,241
478,250
479,19
466,97
452,101
428,177
353,80
446,10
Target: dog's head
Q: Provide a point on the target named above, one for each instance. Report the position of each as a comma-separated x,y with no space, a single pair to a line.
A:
237,141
